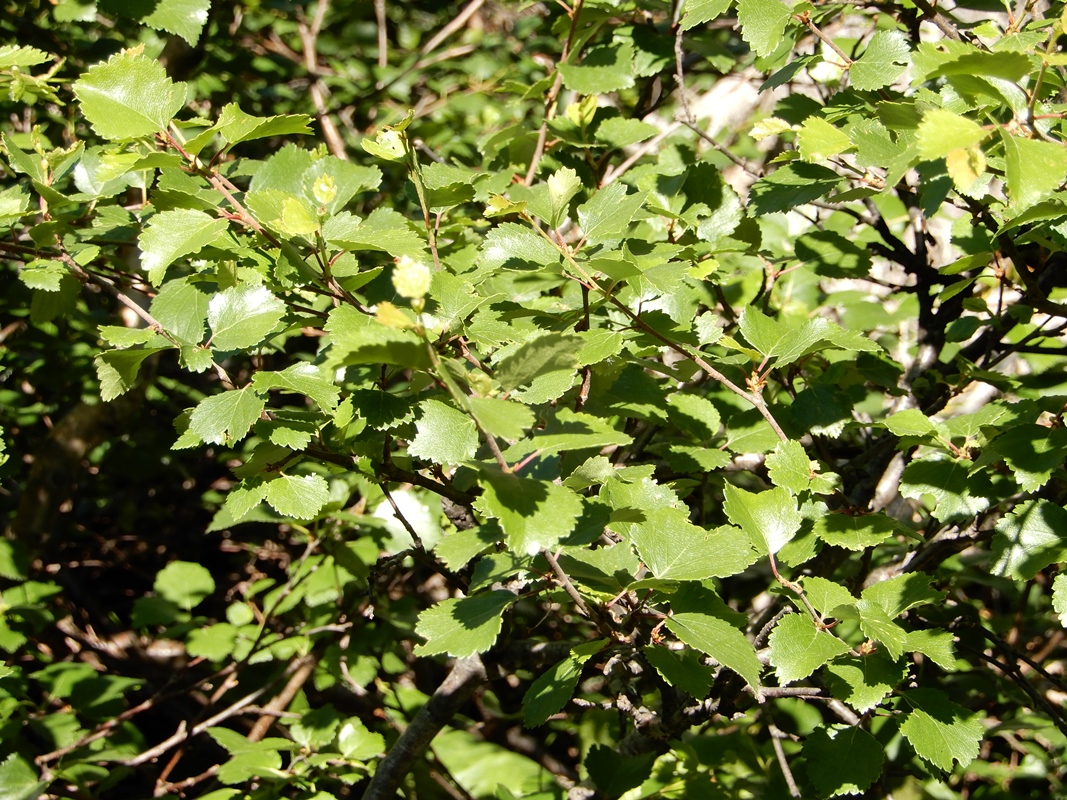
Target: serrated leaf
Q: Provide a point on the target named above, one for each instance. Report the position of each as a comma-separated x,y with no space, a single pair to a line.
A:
884,60
605,68
181,308
763,24
184,18
301,378
938,646
215,642
830,254
941,731
170,235
791,185
719,639
550,692
622,132
842,760
514,246
941,132
298,496
18,779
445,434
798,648
384,230
13,55
1029,539
855,531
184,583
829,598
770,518
790,467
878,626
898,594
357,743
504,418
229,415
563,185
957,495
1059,597
1034,169
244,498
462,627
684,669
357,338
117,370
694,415
865,682
236,126
675,549
569,430
697,12
608,213
243,316
533,514
542,353
910,422
128,97
818,140
14,202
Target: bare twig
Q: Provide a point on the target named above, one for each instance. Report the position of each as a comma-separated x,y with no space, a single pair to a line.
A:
776,741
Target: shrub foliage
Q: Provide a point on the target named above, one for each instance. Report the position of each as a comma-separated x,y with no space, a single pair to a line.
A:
610,399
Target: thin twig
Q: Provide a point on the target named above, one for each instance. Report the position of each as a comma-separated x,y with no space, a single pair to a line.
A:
776,741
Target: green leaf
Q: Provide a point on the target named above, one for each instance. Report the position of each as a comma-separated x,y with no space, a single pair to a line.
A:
550,692
719,639
14,202
829,598
938,646
864,682
357,743
316,728
818,140
534,514
884,60
842,760
569,430
184,583
514,246
877,625
608,213
694,415
445,435
541,354
898,594
215,642
615,773
229,415
791,185
300,378
18,779
181,308
243,316
170,235
763,24
1059,597
855,531
910,422
361,339
941,731
1034,169
462,627
117,370
604,69
1033,452
563,185
504,418
798,648
622,132
298,496
385,230
184,18
684,669
790,467
675,549
1029,539
956,493
832,255
941,132
770,518
697,12
128,97
236,126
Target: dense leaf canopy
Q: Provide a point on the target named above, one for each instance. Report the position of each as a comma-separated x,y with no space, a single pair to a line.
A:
613,399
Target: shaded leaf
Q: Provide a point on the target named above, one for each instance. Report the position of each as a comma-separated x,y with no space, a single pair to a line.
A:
534,514
719,639
675,549
184,583
463,627
173,234
1028,539
769,518
842,760
941,731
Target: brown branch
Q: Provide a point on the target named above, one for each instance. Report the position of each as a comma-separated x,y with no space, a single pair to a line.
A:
466,675
304,668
